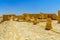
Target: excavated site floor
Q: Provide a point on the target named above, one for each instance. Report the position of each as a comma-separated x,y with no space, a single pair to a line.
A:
12,30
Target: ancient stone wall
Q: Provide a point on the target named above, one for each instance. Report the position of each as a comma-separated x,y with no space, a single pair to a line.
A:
21,18
28,17
54,17
8,17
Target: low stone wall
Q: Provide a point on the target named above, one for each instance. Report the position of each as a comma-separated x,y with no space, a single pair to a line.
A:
8,17
28,17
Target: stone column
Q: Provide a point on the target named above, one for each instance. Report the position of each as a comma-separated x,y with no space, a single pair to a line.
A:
58,16
48,24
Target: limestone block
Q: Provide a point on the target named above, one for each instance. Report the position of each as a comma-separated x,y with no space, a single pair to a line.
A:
35,21
26,15
46,16
8,17
49,15
58,20
27,18
59,16
48,24
20,18
54,17
39,17
15,18
42,16
5,17
58,13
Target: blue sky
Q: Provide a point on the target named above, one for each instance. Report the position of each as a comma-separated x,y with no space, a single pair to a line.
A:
29,6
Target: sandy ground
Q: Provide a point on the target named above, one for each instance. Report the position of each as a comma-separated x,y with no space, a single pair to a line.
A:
12,30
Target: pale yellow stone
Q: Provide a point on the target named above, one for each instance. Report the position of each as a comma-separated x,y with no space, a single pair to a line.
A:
48,24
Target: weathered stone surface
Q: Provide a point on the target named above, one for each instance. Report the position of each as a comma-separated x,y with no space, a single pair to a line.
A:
20,18
48,24
28,17
59,16
35,21
58,20
8,17
54,17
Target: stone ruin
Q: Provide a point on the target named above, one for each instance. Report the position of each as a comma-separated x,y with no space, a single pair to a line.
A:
31,17
34,18
8,17
48,24
27,17
59,16
35,21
